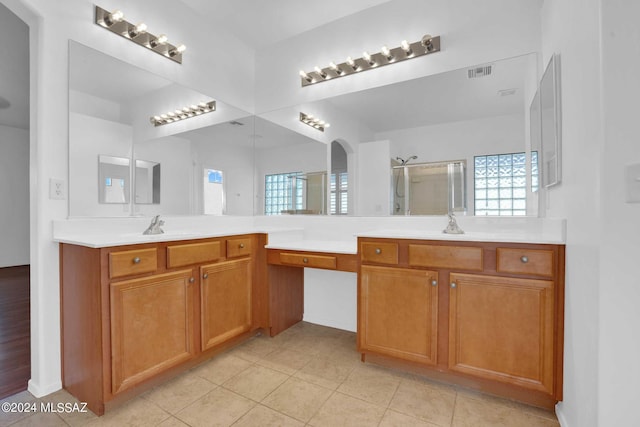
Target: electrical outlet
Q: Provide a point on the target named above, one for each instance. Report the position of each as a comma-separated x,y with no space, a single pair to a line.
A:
57,190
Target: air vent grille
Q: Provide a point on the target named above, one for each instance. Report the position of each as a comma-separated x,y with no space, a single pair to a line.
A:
474,73
236,123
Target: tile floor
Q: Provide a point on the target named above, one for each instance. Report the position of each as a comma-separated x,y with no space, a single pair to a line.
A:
308,375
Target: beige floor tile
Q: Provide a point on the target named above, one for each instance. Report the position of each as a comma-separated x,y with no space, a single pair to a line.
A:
41,420
221,368
370,383
261,416
75,416
255,348
285,360
528,409
485,413
172,422
325,371
11,416
138,412
298,399
179,393
396,419
343,410
256,382
429,402
218,408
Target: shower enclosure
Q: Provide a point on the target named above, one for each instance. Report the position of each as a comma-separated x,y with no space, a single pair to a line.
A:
428,188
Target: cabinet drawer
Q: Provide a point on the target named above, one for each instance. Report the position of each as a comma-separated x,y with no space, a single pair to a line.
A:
127,263
524,261
313,261
194,253
450,257
238,247
379,253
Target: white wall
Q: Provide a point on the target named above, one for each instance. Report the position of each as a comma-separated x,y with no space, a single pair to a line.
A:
619,293
472,32
52,24
14,196
373,191
572,29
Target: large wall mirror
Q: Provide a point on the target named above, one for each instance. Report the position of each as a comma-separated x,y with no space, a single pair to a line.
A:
455,141
110,106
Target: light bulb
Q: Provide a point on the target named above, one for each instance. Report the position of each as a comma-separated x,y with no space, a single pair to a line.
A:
326,125
181,48
386,52
305,76
320,72
426,43
160,40
406,47
141,28
113,17
367,58
335,68
352,63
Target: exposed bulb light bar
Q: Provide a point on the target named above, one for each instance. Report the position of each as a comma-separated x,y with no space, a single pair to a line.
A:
386,56
137,33
314,122
183,113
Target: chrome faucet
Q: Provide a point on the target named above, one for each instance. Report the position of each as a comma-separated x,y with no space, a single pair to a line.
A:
154,227
452,227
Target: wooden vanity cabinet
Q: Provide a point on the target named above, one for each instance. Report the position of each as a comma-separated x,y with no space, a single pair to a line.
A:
493,319
133,316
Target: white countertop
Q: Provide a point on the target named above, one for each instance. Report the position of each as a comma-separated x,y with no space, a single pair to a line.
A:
312,234
333,246
470,236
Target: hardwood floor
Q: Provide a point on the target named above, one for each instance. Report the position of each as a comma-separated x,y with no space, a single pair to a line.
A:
15,352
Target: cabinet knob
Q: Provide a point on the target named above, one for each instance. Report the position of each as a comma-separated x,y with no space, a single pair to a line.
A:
192,279
136,260
434,282
305,260
378,251
241,245
453,285
205,275
524,259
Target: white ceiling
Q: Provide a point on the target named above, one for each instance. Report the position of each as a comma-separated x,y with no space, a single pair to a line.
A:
14,70
261,23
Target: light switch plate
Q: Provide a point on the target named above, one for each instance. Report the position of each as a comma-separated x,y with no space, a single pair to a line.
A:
632,183
57,189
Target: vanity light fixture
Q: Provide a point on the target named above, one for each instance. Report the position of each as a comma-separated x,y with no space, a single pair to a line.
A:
137,33
184,113
314,122
386,56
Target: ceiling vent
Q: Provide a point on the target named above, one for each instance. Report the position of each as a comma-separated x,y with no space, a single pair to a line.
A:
236,123
507,92
479,71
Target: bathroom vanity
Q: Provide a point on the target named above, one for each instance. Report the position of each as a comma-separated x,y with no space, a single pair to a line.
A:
135,315
483,310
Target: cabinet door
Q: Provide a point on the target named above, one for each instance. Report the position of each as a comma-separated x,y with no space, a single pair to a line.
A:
501,328
225,290
398,313
151,326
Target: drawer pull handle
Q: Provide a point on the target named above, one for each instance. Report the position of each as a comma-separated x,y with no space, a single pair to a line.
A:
524,259
205,275
434,282
192,279
378,251
305,260
136,260
241,245
453,285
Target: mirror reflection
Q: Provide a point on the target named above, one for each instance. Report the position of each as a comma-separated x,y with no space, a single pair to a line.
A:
110,106
113,179
147,182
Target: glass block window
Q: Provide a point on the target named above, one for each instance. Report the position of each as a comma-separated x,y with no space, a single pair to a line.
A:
501,183
280,194
339,199
534,171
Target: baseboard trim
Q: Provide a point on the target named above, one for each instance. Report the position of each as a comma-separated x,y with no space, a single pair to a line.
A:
41,391
561,418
